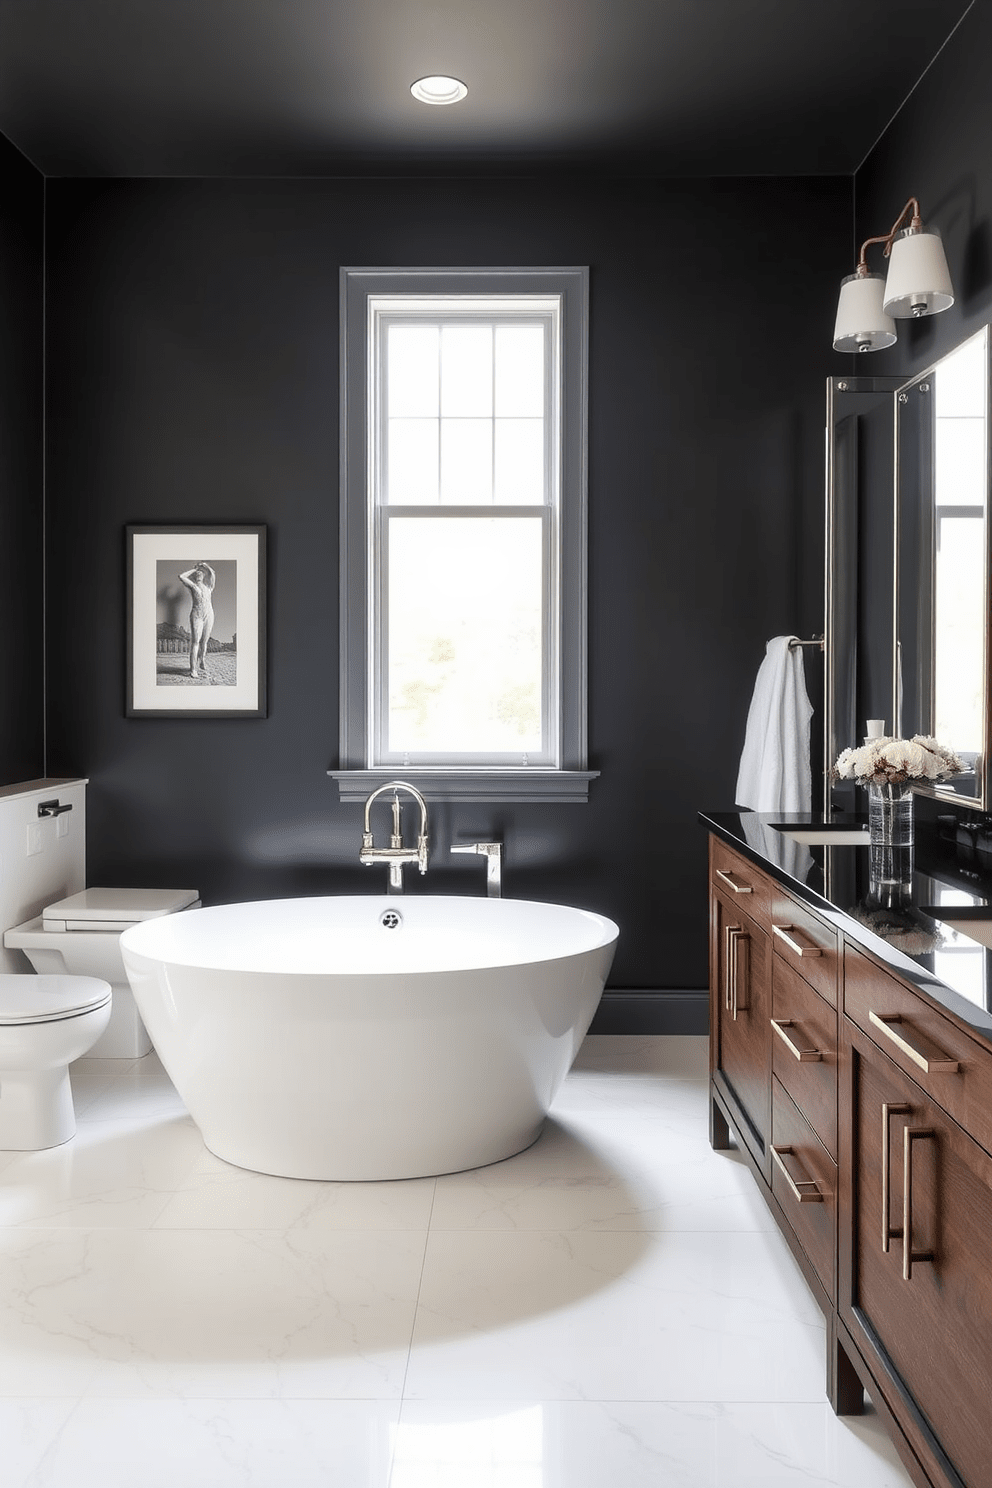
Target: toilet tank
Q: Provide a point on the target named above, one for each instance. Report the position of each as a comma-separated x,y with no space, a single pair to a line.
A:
42,857
79,935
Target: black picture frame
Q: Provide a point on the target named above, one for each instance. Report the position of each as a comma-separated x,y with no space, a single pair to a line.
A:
196,621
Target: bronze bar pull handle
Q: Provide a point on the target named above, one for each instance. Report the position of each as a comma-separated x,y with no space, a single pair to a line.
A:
742,971
909,1255
804,1189
804,1055
787,933
728,879
732,972
889,1108
735,933
730,941
942,1065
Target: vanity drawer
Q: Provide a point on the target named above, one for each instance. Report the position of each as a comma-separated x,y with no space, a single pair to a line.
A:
953,1069
805,943
804,1180
740,881
804,1050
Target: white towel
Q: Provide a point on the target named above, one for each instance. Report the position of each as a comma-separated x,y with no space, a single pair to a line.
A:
774,771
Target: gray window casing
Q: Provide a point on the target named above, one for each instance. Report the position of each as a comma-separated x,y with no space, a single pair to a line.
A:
355,779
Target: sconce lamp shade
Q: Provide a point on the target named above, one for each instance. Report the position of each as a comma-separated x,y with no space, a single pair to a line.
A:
918,282
862,324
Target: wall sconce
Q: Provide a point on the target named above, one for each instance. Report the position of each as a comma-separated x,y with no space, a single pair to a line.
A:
918,284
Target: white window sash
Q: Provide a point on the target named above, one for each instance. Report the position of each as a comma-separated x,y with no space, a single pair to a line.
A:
378,622
386,312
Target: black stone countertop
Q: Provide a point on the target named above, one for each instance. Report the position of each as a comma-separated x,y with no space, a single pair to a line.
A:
951,880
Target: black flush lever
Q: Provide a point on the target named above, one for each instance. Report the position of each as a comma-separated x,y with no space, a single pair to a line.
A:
53,808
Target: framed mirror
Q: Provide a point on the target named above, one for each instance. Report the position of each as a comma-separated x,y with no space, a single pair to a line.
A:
859,579
940,669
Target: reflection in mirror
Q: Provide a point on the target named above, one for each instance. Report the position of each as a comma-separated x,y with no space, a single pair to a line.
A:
942,543
859,573
960,402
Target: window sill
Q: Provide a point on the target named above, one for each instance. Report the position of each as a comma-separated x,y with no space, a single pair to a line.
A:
471,785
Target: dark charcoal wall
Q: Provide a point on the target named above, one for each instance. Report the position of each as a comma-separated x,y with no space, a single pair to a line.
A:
21,504
193,354
939,149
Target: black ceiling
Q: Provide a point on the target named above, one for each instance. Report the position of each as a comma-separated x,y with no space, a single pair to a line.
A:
315,87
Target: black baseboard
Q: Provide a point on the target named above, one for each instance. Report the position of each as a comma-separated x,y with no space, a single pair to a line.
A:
653,1012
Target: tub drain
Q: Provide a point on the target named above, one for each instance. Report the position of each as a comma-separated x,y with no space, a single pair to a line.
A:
390,919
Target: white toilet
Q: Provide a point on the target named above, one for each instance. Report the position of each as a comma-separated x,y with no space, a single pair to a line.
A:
80,936
45,1023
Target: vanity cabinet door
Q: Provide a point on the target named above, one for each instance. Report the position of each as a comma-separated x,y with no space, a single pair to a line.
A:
740,1001
917,1280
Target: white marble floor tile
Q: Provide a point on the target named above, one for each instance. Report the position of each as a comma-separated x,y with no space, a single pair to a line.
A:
115,1174
219,1444
607,1174
27,1428
217,1195
614,1316
141,1092
667,1057
46,1278
612,1306
6,1158
471,1444
614,1092
206,1313
588,1444
91,1078
224,1313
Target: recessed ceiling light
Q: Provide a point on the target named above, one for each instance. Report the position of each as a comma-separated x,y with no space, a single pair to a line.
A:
439,90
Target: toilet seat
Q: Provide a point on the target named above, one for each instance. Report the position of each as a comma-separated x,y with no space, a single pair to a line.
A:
48,999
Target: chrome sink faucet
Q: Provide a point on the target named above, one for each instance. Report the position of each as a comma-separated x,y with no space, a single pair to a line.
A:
396,855
493,854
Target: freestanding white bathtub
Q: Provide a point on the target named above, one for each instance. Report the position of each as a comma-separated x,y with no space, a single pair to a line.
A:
366,1037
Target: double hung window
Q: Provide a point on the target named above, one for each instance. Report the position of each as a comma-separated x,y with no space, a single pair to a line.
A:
463,531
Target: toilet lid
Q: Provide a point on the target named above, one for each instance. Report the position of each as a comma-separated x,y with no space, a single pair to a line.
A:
115,909
40,999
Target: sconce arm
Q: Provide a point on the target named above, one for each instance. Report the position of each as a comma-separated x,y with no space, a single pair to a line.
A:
916,222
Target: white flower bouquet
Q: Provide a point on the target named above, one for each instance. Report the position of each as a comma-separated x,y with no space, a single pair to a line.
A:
889,761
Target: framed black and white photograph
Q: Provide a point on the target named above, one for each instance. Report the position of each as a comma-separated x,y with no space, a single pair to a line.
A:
196,622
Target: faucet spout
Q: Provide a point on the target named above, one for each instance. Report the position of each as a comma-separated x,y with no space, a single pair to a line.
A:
493,854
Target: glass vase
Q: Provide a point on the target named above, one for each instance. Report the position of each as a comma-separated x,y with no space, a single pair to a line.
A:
890,849
890,814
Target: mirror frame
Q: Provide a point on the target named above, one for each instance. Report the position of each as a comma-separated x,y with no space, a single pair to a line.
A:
983,775
848,399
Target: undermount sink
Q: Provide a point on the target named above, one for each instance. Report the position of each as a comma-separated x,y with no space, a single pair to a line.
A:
978,929
825,836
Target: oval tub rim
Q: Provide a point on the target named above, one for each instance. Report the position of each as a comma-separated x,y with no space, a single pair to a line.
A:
608,939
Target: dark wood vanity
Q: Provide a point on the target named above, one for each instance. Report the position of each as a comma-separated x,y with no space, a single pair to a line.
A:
857,1081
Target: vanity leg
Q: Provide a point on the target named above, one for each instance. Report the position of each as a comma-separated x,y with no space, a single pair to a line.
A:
845,1391
719,1129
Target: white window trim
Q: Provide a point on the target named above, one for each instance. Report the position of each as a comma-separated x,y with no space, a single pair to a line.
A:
569,781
